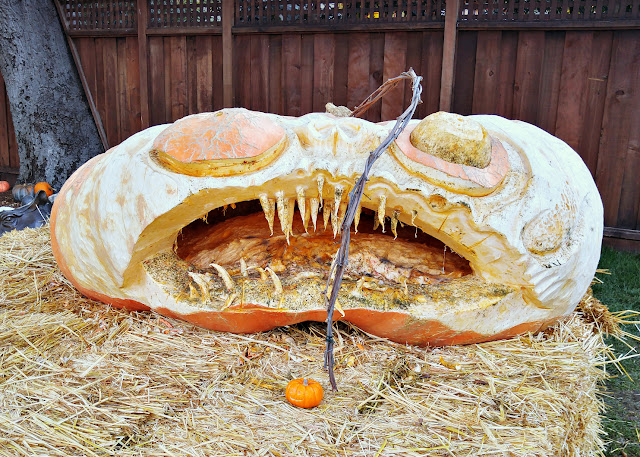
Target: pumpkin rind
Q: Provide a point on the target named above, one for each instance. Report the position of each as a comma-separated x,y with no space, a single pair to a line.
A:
304,393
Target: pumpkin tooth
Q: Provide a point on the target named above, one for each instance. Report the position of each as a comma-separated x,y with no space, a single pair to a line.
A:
320,186
326,213
315,206
269,209
335,217
394,223
229,301
291,208
414,214
382,204
243,267
263,274
282,205
224,274
302,207
202,283
193,293
356,219
276,281
357,290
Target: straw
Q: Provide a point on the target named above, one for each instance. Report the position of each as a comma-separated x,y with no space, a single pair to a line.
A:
78,377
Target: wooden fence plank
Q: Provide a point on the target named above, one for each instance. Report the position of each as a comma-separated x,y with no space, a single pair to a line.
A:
527,77
465,72
550,78
431,71
122,102
306,73
217,72
616,124
358,69
143,66
291,83
110,72
178,77
575,70
259,75
192,74
376,73
275,77
595,96
324,49
133,89
628,94
487,72
242,71
157,99
227,52
395,62
340,75
204,73
507,74
449,49
414,60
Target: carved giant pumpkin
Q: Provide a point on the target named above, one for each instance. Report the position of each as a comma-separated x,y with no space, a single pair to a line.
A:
471,228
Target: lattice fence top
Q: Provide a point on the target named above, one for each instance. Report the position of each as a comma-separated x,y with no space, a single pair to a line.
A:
119,15
548,10
282,12
100,15
185,13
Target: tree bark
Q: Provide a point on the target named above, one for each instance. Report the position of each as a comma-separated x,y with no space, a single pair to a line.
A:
54,127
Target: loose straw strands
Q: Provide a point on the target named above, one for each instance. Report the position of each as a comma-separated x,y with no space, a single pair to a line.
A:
80,378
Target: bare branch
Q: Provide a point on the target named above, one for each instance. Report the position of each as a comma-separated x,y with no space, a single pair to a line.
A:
335,280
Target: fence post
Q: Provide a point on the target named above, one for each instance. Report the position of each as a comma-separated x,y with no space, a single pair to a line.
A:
449,54
143,63
227,54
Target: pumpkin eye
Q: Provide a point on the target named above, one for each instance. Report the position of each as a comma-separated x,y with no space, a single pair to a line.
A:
224,143
453,152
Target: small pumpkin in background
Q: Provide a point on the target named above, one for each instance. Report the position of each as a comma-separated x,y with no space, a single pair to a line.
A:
304,393
4,186
21,191
43,186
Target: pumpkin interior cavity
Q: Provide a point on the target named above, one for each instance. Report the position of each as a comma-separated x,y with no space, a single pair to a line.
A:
228,235
229,260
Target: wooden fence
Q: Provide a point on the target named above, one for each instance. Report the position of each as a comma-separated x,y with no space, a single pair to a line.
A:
571,67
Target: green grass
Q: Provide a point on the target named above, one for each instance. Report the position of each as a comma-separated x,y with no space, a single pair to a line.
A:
621,291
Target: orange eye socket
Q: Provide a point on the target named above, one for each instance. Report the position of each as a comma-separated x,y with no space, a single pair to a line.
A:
223,143
452,152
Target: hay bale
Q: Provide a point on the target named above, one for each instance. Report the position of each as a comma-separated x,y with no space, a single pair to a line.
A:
80,378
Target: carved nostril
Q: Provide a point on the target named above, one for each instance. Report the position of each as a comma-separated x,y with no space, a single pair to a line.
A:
453,138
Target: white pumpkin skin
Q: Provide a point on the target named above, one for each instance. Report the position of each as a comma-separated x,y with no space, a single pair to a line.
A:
537,231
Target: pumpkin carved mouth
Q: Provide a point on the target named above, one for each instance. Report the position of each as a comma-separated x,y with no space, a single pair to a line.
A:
229,259
471,229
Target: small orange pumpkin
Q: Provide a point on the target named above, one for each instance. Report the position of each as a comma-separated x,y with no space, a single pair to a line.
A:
4,186
304,393
43,186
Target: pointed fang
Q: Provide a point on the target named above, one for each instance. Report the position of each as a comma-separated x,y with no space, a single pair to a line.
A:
315,206
202,283
394,223
224,274
356,219
381,210
283,213
269,209
320,186
302,207
326,213
276,281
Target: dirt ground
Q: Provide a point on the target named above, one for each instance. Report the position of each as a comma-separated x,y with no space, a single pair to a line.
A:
6,199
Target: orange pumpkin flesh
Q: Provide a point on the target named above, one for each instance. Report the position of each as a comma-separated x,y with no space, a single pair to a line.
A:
304,393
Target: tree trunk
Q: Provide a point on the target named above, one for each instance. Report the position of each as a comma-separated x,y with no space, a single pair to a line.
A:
54,127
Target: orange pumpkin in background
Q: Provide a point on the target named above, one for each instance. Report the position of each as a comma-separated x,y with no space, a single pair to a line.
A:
43,186
4,186
304,393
